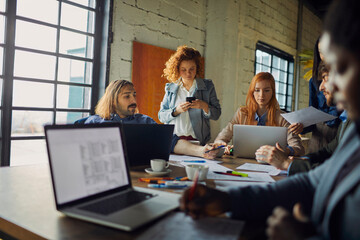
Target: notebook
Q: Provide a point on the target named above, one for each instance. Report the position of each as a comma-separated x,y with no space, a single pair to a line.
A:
91,178
248,138
147,141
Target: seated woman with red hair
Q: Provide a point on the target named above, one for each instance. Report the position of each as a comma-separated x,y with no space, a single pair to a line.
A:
262,109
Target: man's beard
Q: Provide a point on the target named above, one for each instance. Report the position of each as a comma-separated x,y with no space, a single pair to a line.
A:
330,100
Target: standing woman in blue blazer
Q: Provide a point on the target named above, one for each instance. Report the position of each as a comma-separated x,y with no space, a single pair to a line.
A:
190,116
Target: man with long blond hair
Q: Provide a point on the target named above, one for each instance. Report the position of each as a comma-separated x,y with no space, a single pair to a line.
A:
262,109
118,104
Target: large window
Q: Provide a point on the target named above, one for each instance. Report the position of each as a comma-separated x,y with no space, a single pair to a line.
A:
281,66
49,70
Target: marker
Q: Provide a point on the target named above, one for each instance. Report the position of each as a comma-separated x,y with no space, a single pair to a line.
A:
195,161
238,173
221,146
166,186
230,174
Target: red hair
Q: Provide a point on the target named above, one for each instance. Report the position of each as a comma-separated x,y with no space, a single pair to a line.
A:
251,104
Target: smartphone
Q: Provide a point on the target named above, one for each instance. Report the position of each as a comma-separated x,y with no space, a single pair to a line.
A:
190,99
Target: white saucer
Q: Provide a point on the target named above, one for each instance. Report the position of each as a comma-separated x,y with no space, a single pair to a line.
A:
151,172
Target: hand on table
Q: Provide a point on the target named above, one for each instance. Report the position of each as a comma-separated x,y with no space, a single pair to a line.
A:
282,225
205,202
275,156
211,154
296,128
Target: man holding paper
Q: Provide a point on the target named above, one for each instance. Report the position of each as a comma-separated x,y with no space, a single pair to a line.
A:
276,156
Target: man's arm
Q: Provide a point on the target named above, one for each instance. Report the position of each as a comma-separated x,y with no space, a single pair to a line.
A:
188,148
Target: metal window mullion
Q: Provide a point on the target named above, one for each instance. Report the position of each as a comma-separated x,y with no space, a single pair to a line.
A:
57,62
8,84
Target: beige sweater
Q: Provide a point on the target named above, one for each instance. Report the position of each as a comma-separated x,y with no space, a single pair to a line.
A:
240,118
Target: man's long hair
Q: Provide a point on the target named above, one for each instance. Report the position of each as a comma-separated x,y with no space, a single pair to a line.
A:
107,104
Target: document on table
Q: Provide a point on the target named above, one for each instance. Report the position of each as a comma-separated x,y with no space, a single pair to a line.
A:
307,116
224,185
253,177
178,226
273,171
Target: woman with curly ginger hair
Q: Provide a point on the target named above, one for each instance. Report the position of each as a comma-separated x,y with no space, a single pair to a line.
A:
190,116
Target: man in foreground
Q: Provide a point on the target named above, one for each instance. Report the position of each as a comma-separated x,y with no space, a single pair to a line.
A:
119,105
332,190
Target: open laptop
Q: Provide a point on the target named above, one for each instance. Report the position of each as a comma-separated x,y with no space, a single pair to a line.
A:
147,141
248,138
91,178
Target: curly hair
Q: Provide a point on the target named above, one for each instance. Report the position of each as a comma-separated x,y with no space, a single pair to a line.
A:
171,71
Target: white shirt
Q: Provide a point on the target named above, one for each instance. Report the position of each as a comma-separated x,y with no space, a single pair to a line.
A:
182,122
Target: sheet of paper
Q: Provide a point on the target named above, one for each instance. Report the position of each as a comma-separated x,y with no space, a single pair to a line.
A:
307,116
178,226
273,171
253,177
225,185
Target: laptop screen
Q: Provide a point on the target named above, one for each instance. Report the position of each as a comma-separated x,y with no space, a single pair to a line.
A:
86,161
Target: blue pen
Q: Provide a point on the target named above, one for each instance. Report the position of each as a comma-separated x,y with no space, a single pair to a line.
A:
221,146
195,161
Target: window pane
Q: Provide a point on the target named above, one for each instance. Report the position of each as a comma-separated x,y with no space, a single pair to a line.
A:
76,44
69,117
35,36
2,5
87,3
24,152
276,62
73,97
282,88
276,74
34,65
289,90
281,100
29,123
258,68
282,77
263,57
1,60
75,71
2,28
77,18
283,64
35,9
291,79
265,68
33,94
289,103
277,86
291,67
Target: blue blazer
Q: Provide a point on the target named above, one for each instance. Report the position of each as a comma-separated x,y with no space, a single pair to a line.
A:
334,212
205,91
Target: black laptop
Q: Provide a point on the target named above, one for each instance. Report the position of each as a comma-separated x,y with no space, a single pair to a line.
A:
147,141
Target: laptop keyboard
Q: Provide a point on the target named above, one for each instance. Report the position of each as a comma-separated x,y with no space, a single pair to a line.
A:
116,203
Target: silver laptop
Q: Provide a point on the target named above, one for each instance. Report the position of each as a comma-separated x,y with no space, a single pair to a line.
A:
91,178
248,138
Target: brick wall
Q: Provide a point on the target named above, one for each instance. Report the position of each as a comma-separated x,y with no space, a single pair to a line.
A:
163,23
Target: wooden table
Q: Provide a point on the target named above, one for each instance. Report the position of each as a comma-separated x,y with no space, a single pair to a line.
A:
27,207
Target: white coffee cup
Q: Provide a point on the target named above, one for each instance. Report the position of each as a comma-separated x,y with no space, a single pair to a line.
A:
158,165
193,168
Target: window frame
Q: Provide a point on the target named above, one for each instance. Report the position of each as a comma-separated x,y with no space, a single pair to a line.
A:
100,67
264,47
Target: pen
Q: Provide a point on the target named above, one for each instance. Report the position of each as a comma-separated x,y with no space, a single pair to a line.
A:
221,146
238,173
230,174
192,189
166,186
195,161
